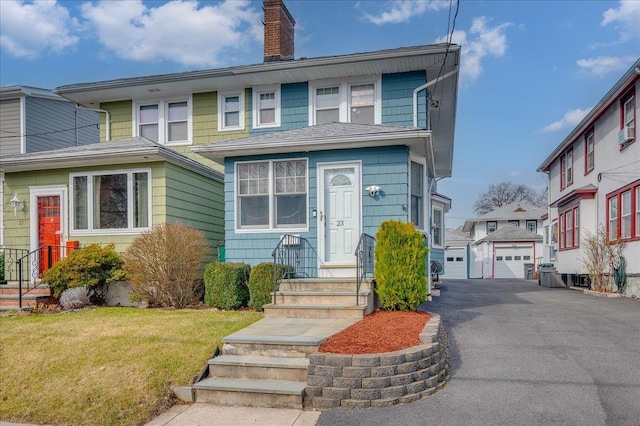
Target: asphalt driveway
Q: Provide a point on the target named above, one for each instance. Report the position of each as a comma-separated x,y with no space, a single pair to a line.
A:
522,354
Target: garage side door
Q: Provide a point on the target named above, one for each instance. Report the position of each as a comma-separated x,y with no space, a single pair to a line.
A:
509,261
455,265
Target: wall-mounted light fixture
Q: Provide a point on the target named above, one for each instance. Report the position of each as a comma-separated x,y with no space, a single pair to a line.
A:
16,204
373,190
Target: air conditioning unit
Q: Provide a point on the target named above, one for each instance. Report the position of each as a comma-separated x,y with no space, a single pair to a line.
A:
625,135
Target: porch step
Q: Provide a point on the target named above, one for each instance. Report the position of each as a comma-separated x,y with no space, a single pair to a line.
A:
270,346
12,288
259,367
253,393
324,297
315,311
324,284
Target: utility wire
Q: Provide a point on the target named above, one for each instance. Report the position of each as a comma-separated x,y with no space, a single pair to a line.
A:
17,134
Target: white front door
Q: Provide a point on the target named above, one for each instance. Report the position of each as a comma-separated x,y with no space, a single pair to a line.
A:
339,221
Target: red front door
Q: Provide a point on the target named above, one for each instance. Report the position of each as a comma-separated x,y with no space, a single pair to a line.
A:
49,231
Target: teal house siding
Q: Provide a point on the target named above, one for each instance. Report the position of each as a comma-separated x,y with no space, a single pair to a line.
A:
294,108
437,254
397,99
386,167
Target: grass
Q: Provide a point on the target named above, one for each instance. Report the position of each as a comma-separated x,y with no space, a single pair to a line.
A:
104,366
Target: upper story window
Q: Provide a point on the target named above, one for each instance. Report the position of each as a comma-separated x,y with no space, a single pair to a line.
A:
566,169
589,149
266,106
231,110
165,122
352,101
437,227
271,194
417,195
116,200
623,213
492,226
628,116
532,226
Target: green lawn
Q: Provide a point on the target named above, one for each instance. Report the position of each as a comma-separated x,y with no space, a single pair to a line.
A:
104,366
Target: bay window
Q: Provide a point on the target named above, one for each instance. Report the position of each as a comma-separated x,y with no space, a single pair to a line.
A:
570,228
623,213
613,218
111,200
271,194
625,219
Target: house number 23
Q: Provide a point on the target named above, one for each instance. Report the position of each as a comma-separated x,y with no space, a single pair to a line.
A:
340,223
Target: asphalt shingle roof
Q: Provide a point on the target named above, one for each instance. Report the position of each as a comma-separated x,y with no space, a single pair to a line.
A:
510,232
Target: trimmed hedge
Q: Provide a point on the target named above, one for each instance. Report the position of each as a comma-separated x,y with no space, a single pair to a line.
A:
261,284
400,267
225,285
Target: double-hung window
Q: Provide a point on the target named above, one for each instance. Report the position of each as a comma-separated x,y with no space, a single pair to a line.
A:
623,213
266,106
437,227
589,149
492,226
165,122
570,228
532,226
115,200
271,194
231,110
566,169
417,195
613,218
352,101
628,120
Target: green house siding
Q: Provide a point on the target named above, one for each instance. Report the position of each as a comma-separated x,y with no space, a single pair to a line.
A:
121,120
177,195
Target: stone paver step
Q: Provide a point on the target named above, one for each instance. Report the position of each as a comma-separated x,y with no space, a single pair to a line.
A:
282,387
260,361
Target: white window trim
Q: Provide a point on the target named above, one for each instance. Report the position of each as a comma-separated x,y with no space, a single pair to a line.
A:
221,97
255,108
419,160
271,228
110,231
433,227
163,118
345,96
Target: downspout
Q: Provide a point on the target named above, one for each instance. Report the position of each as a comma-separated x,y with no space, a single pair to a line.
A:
107,119
421,88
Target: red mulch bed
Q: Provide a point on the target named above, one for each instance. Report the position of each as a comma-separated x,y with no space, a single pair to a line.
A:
381,331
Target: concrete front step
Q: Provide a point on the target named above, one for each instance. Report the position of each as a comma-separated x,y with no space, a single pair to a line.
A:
259,367
315,311
270,346
251,393
323,284
321,297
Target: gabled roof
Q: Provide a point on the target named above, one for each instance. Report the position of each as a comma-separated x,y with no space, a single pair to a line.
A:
629,78
511,232
122,151
456,236
511,211
318,138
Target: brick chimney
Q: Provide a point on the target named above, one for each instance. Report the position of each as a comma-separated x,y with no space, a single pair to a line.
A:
278,31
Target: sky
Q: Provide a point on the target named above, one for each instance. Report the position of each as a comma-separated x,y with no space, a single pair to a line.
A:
530,70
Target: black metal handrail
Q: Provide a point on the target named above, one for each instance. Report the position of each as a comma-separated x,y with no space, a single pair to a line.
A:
41,258
293,257
9,256
365,260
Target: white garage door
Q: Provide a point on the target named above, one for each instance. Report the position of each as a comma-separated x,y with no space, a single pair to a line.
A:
455,265
509,261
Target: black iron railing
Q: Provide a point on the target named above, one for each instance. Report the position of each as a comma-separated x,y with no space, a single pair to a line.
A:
293,257
8,266
33,263
365,260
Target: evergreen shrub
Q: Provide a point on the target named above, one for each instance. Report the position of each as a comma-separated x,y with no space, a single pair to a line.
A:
400,267
261,284
93,266
226,285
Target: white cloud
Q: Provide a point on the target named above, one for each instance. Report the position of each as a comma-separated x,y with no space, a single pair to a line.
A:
626,18
479,42
180,30
570,119
31,29
403,10
602,65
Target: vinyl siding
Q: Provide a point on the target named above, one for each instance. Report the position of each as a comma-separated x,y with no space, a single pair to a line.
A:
397,99
121,120
56,122
10,129
386,167
294,108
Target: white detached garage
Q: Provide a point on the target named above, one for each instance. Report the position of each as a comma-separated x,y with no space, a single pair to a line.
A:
456,255
510,248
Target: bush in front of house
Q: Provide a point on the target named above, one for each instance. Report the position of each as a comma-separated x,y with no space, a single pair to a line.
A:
164,265
400,267
261,284
75,298
226,285
93,267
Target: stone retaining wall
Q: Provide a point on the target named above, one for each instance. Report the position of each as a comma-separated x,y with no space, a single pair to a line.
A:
380,380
